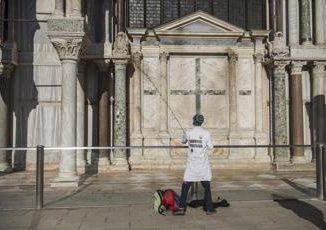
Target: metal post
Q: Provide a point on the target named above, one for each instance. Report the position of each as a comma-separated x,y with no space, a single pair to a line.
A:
39,176
320,172
111,126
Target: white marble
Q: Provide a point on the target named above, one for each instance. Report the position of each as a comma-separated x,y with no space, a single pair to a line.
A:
67,166
245,93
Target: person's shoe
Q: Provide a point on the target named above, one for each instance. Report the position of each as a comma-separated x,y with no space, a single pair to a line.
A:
179,212
210,212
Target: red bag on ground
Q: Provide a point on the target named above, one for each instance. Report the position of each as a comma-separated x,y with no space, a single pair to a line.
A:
169,200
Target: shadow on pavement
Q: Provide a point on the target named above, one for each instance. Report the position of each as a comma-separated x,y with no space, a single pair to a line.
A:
300,188
303,210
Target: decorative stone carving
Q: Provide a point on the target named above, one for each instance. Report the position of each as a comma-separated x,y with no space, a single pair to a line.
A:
164,56
136,58
319,67
258,58
233,58
67,48
121,45
279,67
296,67
278,46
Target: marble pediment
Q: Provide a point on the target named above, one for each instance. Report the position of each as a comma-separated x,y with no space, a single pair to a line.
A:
198,23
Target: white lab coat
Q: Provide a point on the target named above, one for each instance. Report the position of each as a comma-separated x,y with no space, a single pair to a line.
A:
197,167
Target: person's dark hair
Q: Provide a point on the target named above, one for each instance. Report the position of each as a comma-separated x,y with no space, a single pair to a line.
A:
198,120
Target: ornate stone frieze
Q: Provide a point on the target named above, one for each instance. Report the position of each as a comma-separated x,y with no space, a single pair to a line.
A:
121,45
296,67
67,48
66,25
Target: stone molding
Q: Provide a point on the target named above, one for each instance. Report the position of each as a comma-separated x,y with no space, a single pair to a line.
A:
296,67
70,25
68,48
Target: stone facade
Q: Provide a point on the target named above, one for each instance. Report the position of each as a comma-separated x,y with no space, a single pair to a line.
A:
59,61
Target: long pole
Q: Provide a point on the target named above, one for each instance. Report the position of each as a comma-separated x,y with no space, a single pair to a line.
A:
320,171
39,176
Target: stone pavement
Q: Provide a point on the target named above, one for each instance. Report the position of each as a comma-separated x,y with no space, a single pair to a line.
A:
259,200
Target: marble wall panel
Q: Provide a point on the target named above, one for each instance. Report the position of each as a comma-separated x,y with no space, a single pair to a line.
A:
214,73
216,111
245,94
151,93
45,6
182,73
182,110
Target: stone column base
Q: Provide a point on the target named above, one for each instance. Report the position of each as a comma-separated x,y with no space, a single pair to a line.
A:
81,166
120,165
68,180
298,160
103,165
5,167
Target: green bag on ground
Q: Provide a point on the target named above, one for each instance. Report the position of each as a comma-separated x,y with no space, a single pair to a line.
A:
158,202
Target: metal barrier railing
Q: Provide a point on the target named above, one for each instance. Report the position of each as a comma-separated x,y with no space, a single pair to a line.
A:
319,149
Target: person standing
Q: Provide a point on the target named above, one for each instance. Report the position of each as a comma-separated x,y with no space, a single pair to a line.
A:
197,167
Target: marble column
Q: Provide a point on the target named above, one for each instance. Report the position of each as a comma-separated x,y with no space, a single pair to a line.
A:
293,19
296,112
233,126
164,94
121,15
233,58
68,50
4,119
104,119
260,138
120,115
273,15
81,160
136,132
318,76
305,23
75,8
319,22
59,8
280,112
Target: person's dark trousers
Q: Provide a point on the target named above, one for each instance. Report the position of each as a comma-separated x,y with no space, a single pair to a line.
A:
208,196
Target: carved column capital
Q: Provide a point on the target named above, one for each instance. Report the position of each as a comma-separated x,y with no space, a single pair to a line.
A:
296,67
136,58
164,56
279,66
319,67
233,58
68,48
258,58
